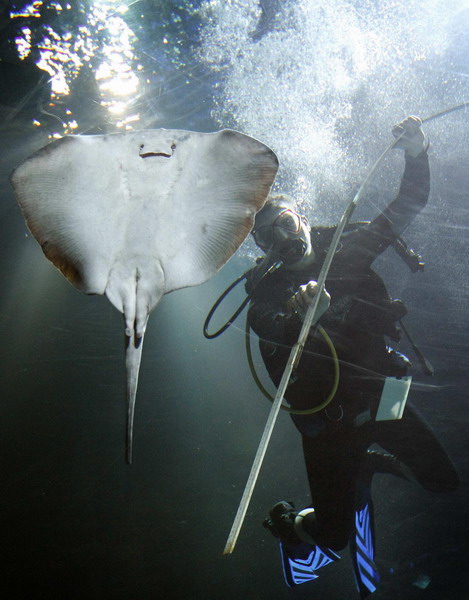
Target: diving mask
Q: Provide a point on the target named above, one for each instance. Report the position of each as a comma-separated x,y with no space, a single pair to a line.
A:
284,236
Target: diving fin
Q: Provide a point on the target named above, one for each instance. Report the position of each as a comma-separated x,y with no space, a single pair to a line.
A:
301,561
362,549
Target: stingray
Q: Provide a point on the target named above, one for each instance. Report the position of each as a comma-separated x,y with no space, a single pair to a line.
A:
137,215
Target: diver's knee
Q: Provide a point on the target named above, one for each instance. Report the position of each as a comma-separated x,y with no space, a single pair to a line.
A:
450,484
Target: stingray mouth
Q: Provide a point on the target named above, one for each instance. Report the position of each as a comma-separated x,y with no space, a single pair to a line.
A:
151,153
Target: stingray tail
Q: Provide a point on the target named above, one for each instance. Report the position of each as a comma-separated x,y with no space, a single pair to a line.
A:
135,292
133,356
136,315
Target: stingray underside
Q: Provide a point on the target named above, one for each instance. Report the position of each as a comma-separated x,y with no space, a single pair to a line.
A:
139,214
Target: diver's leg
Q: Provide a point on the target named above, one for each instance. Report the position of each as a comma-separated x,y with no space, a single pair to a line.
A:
340,481
412,441
333,464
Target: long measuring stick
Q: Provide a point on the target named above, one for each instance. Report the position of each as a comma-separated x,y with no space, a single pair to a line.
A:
297,349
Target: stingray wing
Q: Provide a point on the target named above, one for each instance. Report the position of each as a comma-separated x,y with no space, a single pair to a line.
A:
137,215
221,187
172,205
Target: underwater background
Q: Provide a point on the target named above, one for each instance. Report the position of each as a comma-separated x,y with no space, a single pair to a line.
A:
321,82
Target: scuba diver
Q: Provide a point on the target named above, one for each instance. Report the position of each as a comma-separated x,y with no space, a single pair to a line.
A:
363,390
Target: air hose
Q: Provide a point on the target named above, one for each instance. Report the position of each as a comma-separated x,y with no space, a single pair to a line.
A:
252,368
293,411
210,336
446,112
234,316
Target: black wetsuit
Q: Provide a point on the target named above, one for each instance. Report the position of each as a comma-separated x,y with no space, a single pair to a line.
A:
360,321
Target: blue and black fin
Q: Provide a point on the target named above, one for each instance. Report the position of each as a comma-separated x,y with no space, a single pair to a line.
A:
301,561
362,547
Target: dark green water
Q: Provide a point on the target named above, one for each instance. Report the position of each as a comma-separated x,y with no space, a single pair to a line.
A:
322,84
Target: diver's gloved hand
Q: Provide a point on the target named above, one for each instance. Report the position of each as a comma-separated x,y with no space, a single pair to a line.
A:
303,298
412,139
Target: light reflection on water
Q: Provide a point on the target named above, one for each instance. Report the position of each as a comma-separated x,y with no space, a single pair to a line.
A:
63,55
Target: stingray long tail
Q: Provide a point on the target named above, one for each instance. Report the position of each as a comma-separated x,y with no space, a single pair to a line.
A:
136,307
133,356
135,292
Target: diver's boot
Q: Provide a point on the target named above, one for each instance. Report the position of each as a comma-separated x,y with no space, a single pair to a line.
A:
382,462
289,525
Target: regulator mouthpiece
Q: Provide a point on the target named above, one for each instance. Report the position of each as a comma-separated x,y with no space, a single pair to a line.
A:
270,262
291,251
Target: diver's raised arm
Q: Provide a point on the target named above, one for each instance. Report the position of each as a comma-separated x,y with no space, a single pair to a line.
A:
415,185
370,241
